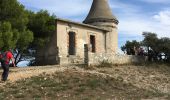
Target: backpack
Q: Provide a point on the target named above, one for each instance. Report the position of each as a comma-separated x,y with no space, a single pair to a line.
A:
3,57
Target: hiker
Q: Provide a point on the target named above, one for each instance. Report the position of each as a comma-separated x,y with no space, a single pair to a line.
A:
7,56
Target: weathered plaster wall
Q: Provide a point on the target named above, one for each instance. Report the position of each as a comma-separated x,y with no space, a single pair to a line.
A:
111,37
82,37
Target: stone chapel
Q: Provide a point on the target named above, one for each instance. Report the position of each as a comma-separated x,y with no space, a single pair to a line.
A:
80,43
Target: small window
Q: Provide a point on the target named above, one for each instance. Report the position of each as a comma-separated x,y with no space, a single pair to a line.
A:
92,43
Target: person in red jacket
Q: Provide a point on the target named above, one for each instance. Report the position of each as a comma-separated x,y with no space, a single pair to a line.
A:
5,64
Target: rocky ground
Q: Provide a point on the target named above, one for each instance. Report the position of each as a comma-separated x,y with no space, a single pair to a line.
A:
93,82
155,77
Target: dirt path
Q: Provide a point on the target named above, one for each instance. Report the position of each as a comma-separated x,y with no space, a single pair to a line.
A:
23,73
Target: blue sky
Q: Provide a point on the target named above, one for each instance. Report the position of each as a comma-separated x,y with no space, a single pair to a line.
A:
135,16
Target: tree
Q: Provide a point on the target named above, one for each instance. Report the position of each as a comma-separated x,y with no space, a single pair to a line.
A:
14,33
150,40
22,29
13,12
130,47
164,47
26,37
158,49
8,37
42,25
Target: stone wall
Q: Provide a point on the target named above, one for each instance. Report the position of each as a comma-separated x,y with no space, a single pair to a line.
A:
96,58
114,58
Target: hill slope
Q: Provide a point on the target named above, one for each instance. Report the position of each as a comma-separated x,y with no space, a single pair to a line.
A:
79,83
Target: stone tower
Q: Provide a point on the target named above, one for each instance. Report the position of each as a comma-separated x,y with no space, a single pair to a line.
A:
100,15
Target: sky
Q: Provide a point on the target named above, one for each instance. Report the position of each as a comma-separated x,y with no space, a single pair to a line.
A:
135,16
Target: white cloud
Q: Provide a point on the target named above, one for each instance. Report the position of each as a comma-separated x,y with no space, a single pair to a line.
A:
163,17
133,25
133,20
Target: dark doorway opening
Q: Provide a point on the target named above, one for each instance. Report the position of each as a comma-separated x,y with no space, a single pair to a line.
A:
92,43
72,44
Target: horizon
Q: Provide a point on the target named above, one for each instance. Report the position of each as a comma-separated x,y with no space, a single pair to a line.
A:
134,16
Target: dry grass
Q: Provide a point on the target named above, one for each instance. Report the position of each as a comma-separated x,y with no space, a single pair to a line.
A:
75,83
153,77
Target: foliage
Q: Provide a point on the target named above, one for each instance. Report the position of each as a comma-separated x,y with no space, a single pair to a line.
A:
156,47
130,46
13,29
25,38
42,25
150,40
164,44
21,29
8,37
13,12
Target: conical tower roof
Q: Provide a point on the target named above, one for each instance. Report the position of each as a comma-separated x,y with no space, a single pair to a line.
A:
100,12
